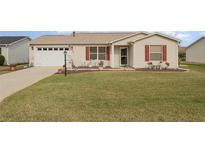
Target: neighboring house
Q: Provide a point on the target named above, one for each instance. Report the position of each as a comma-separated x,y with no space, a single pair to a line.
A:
15,49
115,49
195,52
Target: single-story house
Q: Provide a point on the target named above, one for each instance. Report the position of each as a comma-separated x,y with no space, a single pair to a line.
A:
15,49
195,52
134,49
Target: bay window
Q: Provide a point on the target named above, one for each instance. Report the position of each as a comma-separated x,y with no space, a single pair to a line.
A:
156,53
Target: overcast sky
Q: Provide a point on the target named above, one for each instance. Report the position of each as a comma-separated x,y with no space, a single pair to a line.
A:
186,37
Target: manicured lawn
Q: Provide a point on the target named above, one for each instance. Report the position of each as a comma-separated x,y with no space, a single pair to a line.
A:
6,69
111,96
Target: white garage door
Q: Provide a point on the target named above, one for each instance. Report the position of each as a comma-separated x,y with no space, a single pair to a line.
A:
49,58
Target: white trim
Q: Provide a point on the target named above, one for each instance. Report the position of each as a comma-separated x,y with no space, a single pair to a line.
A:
121,56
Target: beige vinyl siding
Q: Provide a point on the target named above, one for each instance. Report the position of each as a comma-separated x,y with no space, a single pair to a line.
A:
78,55
196,53
19,52
139,51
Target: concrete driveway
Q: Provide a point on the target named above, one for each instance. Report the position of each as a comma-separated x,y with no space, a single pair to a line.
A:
15,81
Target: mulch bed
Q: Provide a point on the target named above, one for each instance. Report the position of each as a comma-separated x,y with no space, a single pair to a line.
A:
91,70
164,70
121,70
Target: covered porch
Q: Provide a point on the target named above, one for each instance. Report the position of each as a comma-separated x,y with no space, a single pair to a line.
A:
121,56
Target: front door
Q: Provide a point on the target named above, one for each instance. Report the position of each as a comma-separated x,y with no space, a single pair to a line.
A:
124,55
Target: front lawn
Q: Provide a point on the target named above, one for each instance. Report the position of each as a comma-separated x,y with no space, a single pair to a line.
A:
111,96
6,69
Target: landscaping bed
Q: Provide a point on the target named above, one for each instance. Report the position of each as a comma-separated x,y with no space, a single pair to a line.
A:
6,69
163,70
83,70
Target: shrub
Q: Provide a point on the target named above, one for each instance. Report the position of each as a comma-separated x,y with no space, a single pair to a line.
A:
2,60
182,56
101,63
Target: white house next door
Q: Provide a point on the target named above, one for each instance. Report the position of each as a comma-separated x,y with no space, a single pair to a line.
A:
124,56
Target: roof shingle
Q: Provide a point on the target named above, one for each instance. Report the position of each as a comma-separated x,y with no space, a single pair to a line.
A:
80,38
4,40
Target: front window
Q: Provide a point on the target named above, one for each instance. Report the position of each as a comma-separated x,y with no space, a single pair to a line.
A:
39,49
44,49
156,53
93,53
56,49
101,53
50,49
61,49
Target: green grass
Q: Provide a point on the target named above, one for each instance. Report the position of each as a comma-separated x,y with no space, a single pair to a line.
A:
6,69
111,96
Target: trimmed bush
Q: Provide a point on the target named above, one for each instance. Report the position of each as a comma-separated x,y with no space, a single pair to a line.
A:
2,60
182,56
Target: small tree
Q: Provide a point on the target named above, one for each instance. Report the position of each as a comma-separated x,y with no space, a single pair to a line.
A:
2,60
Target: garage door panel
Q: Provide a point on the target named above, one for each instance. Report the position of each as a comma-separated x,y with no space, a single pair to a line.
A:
49,58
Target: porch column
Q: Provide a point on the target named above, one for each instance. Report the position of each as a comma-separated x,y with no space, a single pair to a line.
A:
112,59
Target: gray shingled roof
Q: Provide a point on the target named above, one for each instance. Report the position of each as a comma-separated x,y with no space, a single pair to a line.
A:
4,40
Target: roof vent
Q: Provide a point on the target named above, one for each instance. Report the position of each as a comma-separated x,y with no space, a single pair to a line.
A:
74,34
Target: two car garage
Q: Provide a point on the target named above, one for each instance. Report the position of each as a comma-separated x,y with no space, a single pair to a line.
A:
49,56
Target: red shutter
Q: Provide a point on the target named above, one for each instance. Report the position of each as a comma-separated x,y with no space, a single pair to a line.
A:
146,52
108,53
164,54
87,54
